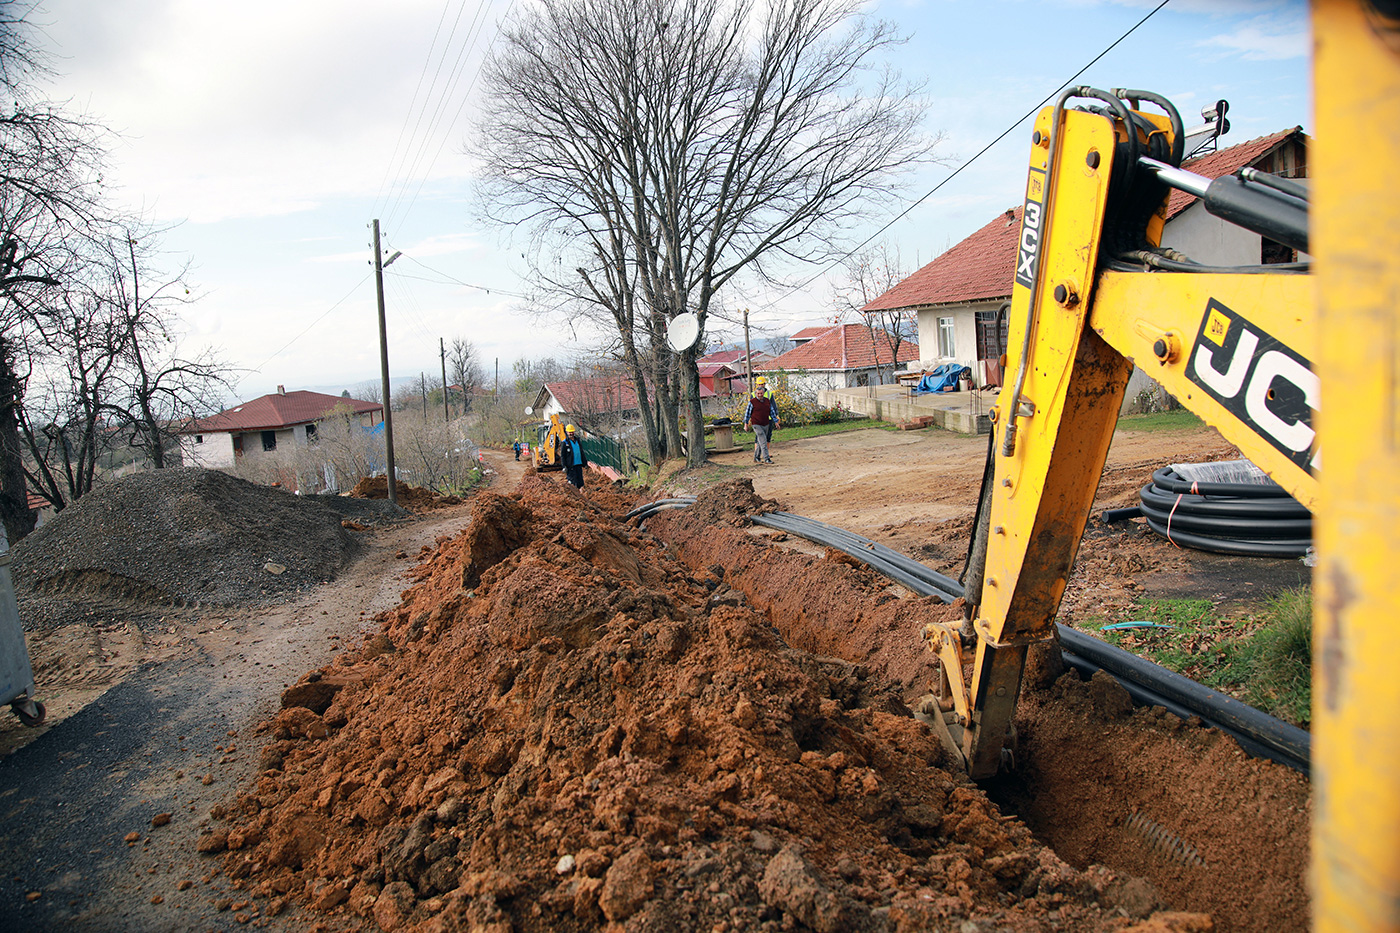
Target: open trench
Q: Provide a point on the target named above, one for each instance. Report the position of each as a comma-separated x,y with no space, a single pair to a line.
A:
1167,800
571,723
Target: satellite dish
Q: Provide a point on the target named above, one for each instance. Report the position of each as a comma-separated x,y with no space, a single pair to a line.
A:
682,331
529,409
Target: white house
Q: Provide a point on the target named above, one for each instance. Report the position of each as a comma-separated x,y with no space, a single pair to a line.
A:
258,427
839,356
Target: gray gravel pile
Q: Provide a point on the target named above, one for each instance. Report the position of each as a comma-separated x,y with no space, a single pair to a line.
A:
188,537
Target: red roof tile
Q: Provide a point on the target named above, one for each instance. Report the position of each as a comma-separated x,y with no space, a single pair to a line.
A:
584,396
977,269
277,411
734,357
843,347
811,333
980,267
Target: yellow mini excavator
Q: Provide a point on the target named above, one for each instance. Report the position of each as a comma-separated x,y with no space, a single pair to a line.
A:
1284,360
545,452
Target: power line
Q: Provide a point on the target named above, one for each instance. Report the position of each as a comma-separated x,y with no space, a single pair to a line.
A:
453,280
322,317
900,216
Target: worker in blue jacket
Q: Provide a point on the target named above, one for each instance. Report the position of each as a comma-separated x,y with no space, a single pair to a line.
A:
573,457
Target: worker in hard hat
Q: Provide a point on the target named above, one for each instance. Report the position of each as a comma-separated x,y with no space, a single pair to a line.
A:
762,414
762,382
572,456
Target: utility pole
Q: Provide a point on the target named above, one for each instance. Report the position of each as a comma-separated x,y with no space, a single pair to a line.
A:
379,265
497,394
446,411
748,354
423,387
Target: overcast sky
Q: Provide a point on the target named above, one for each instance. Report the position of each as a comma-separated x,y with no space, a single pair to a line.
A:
272,133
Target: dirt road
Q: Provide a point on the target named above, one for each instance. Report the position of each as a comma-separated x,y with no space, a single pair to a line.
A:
916,492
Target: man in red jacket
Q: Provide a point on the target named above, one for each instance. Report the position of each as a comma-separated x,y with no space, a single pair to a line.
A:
762,414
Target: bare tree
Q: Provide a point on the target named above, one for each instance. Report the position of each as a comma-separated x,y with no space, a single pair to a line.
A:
464,369
49,198
870,274
669,146
163,389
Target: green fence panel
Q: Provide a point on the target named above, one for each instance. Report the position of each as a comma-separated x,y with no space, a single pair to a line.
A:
603,451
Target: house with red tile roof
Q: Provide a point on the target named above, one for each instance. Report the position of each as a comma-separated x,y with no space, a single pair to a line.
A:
957,295
841,356
595,397
722,379
277,421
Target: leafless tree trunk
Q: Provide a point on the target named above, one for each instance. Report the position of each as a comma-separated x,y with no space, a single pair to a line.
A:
870,274
673,145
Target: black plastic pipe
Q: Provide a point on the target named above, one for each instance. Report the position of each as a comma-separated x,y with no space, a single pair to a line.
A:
1209,704
1144,696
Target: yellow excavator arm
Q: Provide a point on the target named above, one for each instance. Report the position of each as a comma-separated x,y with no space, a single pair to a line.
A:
1285,363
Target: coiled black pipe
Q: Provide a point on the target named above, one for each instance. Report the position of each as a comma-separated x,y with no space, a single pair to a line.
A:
1226,518
1258,733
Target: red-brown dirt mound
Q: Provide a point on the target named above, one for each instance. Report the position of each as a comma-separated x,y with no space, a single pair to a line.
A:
593,736
416,498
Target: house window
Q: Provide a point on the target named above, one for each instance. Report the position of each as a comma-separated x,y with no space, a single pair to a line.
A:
238,445
945,338
862,379
269,439
311,434
199,438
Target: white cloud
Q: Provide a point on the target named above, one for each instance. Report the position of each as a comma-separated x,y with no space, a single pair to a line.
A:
1264,38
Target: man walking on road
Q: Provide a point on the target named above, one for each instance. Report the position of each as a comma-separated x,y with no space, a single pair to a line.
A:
762,414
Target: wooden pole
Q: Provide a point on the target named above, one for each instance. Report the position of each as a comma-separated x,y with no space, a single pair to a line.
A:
442,353
384,370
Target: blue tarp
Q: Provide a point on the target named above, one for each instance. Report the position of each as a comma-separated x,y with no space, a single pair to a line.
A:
944,377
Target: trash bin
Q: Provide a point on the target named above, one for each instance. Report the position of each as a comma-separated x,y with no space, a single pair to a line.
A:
16,674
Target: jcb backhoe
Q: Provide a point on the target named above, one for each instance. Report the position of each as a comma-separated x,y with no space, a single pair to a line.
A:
1285,361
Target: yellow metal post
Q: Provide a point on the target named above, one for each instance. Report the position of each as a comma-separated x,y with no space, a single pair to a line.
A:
1355,233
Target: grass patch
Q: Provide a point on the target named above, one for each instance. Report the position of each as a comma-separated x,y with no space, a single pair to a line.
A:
1264,660
744,438
1179,420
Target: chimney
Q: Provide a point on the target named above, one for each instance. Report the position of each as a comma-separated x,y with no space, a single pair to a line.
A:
281,390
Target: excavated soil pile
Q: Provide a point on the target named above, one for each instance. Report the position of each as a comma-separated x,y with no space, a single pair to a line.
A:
1141,791
826,605
564,728
184,537
410,497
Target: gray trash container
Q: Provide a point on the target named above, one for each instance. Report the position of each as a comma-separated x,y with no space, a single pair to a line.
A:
16,674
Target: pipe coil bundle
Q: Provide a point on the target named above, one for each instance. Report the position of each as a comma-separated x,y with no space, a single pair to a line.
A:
1257,519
